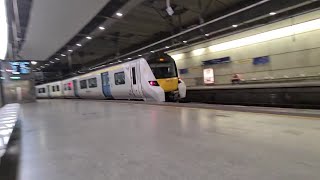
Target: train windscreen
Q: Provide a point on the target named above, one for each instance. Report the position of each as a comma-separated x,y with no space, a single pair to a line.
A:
163,67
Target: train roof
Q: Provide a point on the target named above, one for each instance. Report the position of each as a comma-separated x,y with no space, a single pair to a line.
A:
148,57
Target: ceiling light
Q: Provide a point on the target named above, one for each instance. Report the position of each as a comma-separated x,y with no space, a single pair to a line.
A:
42,66
70,50
79,45
152,51
57,59
51,62
111,63
129,58
207,35
88,37
272,13
33,62
184,41
167,47
139,55
63,55
46,64
102,28
235,25
119,61
119,14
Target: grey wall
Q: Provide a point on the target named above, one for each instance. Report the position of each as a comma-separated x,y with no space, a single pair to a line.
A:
291,58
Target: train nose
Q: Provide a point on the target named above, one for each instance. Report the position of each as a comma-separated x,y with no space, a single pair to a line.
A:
169,84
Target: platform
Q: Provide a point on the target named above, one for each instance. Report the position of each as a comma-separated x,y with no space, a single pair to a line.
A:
89,139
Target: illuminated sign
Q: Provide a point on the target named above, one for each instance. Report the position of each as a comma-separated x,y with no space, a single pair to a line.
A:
261,60
19,67
217,61
183,71
208,76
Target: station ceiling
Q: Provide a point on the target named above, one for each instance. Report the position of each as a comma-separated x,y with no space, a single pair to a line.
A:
143,22
53,22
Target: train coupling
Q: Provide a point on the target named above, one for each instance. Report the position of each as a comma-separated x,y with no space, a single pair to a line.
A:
172,96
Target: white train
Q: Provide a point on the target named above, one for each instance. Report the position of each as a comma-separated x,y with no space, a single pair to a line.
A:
152,78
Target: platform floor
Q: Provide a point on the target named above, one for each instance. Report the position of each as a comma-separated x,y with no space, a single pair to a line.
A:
99,140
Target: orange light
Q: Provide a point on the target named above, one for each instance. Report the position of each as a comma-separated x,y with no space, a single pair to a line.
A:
161,59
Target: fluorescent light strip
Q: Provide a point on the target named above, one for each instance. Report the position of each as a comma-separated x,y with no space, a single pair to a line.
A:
268,36
198,52
3,30
177,56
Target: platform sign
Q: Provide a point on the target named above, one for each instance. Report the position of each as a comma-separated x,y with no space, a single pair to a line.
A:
208,76
20,67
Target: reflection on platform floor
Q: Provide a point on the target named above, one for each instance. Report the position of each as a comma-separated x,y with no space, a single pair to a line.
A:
98,140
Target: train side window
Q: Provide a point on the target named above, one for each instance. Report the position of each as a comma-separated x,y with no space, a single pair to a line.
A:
53,88
119,78
134,80
58,88
92,82
83,84
69,86
65,87
44,90
39,90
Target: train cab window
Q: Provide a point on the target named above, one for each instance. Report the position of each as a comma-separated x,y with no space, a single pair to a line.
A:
58,88
83,84
134,79
92,82
53,88
119,78
163,67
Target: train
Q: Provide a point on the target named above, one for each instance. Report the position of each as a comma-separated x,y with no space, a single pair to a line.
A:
149,78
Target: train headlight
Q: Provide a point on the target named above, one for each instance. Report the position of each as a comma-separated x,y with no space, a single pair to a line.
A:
153,83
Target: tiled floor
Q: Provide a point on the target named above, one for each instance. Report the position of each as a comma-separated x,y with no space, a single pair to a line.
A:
99,140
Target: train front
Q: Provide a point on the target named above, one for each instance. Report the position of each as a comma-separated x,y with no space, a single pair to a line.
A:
165,71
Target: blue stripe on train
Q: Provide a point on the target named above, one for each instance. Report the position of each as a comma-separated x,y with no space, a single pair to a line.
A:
106,85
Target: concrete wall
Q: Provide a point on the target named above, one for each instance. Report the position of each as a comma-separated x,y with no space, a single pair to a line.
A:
293,57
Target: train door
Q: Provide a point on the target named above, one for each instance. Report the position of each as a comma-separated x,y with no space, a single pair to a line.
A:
106,84
75,88
48,89
135,79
